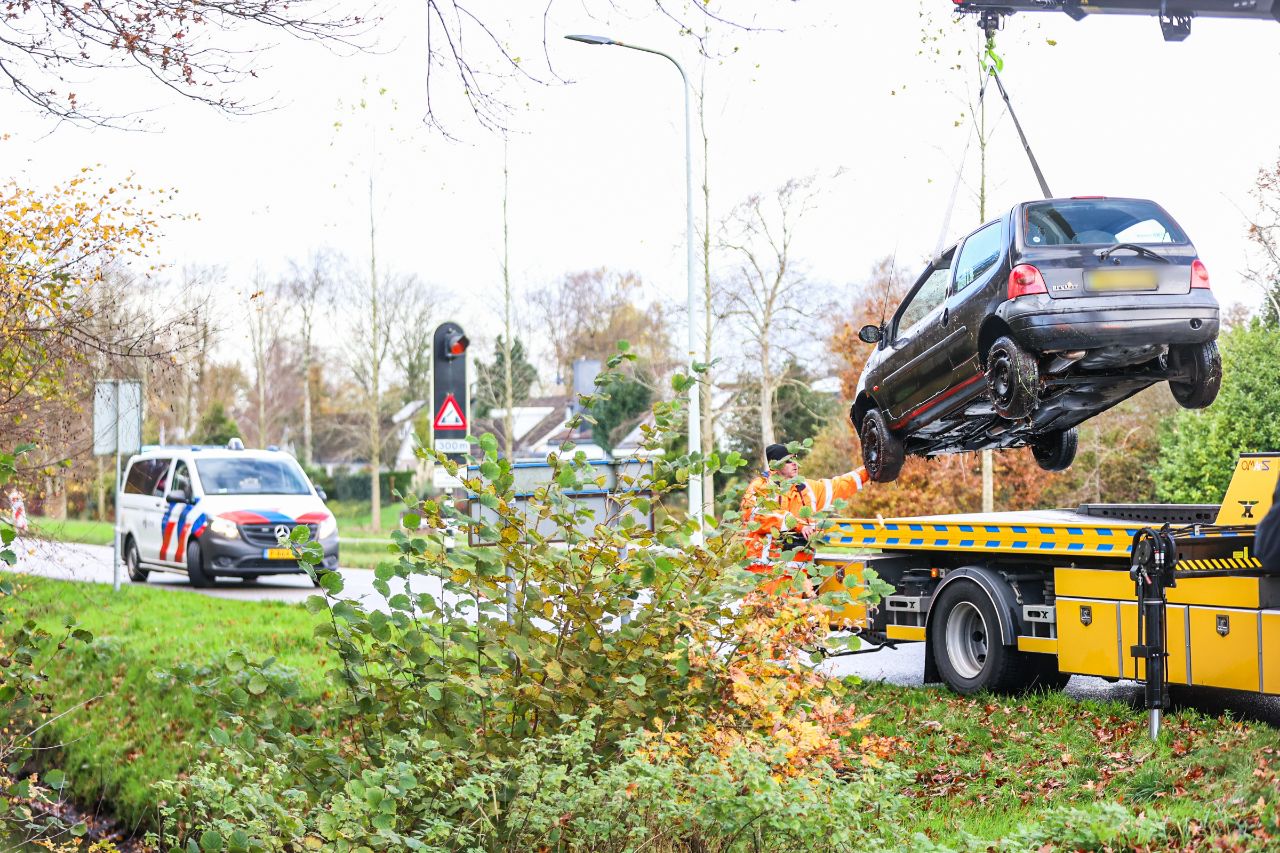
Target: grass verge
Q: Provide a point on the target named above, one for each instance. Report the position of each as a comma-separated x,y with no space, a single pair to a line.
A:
977,767
82,530
122,729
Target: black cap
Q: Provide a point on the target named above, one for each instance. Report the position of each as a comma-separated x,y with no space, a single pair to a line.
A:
776,452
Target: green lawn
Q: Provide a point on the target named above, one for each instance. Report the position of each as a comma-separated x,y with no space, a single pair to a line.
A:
124,728
355,517
73,530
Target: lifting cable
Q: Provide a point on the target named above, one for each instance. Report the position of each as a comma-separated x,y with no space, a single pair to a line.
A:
1026,146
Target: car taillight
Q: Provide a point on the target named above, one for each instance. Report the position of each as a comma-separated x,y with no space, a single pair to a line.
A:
1199,275
1024,280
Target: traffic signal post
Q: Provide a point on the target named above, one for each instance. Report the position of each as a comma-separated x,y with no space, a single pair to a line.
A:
450,400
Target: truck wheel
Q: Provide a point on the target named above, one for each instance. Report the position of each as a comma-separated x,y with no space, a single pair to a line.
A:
965,636
1202,366
133,563
882,451
1055,451
1013,377
195,567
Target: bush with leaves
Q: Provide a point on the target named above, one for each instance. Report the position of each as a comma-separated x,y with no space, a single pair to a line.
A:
645,641
28,804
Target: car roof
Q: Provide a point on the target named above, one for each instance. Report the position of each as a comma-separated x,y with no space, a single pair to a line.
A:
207,452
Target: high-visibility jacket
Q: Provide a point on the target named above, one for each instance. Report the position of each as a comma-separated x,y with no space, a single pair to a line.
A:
770,529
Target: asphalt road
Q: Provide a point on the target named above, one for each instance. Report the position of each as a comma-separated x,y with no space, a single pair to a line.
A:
905,665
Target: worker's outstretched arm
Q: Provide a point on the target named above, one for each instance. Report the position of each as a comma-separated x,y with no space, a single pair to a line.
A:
822,494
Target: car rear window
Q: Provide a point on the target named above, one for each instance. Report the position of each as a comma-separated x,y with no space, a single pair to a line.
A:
1094,222
251,477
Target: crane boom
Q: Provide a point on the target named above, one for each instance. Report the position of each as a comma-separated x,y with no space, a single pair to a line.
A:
1175,15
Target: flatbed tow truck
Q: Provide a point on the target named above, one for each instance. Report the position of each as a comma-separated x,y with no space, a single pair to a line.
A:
1006,601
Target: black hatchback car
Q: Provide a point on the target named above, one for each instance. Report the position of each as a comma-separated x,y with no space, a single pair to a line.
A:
1032,324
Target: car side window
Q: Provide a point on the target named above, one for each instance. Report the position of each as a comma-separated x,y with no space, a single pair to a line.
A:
980,254
158,476
928,297
181,481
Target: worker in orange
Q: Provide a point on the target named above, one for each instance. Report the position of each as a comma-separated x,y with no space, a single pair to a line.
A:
778,535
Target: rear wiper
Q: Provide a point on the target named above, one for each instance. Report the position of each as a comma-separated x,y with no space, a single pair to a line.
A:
1103,254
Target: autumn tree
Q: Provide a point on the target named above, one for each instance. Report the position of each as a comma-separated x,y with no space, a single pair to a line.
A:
310,289
1264,234
491,383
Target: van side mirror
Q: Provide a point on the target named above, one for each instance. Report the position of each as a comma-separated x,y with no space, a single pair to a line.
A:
320,492
177,496
870,334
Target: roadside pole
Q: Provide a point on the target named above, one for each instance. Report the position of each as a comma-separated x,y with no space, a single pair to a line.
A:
114,400
115,501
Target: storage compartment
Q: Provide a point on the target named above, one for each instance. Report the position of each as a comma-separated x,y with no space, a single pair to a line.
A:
1226,648
1089,637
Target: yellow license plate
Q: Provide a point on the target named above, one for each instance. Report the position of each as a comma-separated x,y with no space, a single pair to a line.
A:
1107,280
278,554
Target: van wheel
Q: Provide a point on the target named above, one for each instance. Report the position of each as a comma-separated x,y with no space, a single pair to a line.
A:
882,451
1013,378
1055,451
133,563
195,567
1201,365
967,648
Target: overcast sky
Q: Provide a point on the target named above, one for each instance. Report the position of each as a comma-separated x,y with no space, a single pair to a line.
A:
597,165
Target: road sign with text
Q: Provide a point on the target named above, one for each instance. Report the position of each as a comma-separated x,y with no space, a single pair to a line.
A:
450,402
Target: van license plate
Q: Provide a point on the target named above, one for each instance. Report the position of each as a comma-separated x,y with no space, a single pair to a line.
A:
277,554
1108,280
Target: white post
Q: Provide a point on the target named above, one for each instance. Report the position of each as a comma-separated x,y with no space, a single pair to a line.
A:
115,530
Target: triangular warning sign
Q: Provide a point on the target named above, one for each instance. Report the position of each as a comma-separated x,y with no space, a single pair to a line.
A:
450,415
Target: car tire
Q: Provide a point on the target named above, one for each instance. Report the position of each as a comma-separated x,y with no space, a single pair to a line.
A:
1202,365
882,451
133,562
1055,451
967,648
1013,378
196,573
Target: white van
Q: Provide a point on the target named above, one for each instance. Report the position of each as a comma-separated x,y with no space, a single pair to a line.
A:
214,512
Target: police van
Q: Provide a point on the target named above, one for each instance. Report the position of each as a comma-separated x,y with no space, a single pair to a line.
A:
211,512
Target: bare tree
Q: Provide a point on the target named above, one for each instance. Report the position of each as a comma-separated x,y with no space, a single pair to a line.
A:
1264,233
310,290
263,314
413,332
765,293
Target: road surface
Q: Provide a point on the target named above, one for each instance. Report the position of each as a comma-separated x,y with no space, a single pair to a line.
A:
905,665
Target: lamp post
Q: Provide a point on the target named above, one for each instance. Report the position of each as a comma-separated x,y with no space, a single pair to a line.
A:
696,506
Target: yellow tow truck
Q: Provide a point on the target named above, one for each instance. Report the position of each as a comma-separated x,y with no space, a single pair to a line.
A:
1009,600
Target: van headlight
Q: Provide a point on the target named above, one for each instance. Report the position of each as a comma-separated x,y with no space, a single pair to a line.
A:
225,528
327,528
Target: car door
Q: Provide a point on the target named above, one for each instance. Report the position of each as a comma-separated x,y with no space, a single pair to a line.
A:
153,477
176,515
977,262
912,375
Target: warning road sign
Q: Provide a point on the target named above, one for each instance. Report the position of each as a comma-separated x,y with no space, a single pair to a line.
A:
450,415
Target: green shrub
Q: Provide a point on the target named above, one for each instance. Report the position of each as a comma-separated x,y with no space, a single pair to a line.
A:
354,485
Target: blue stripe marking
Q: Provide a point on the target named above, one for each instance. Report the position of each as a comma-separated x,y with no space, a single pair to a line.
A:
1104,531
1019,529
941,541
1076,531
1076,546
1046,530
168,511
991,528
993,543
1046,546
916,542
893,540
941,528
966,528
1106,546
966,543
1019,544
917,527
182,519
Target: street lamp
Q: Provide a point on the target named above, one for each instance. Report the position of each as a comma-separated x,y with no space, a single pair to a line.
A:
696,505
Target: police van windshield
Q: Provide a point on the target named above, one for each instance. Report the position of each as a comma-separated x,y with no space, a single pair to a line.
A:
1094,222
251,477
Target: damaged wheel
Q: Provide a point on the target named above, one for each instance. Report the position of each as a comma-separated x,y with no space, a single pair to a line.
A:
882,451
1200,365
1013,377
1056,451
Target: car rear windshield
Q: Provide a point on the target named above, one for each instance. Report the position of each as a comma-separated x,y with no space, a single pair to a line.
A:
251,477
1097,222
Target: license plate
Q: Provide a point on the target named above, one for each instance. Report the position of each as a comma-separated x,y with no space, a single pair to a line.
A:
278,554
1108,280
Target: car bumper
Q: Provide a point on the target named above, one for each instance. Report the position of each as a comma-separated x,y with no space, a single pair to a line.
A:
235,557
1049,325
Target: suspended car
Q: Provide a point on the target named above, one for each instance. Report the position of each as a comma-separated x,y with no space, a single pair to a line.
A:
1032,324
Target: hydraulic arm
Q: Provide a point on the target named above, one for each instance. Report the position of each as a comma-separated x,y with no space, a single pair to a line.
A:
1175,15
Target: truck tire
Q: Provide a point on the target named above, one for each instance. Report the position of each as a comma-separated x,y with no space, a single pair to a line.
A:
195,567
967,648
133,562
882,451
1201,364
1013,378
1055,451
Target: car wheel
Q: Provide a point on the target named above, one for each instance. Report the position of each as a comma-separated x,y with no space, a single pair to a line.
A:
882,451
1201,365
195,567
133,562
968,651
1013,377
1056,451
